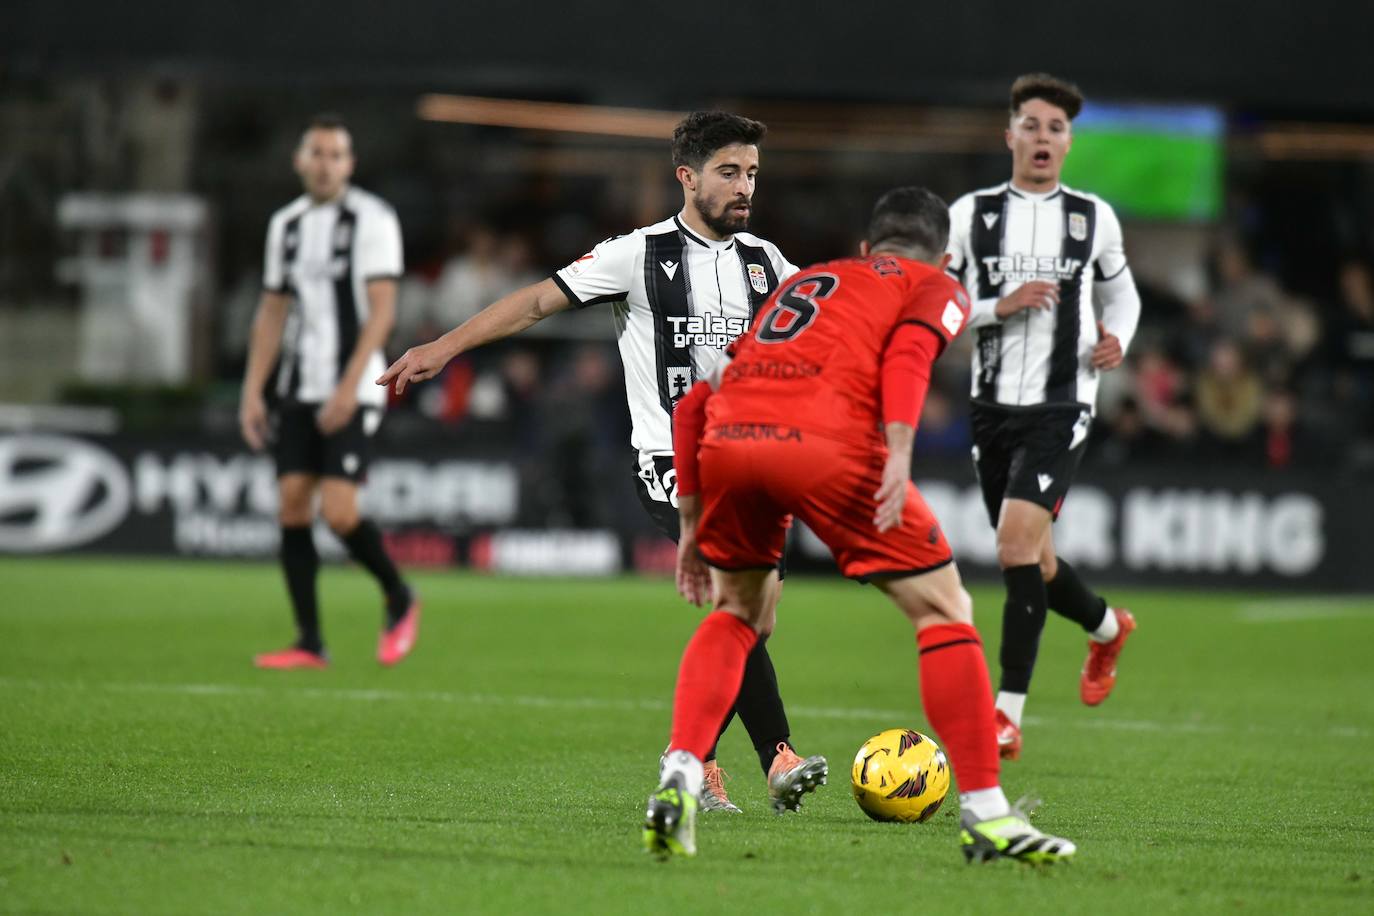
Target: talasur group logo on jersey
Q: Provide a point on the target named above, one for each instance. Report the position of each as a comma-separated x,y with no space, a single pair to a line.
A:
758,279
706,330
1022,268
313,269
57,492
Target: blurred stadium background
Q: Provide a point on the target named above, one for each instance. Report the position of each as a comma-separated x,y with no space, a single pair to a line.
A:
143,148
146,767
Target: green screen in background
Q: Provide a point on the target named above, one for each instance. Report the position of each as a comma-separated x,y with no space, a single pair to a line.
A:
1150,162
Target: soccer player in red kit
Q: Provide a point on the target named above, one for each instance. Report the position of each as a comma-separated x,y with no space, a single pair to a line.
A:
814,416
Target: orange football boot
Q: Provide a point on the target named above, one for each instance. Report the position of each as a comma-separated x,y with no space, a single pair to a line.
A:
1099,671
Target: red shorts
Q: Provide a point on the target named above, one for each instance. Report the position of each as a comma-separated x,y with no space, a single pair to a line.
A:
753,476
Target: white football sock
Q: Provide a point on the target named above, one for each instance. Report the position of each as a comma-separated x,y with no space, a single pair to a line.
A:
985,804
1013,704
1108,630
686,763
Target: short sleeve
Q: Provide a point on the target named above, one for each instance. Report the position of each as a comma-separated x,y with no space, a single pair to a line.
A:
1111,251
960,218
782,267
938,303
379,251
274,268
602,274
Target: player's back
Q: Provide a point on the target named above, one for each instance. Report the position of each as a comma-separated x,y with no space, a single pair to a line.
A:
813,357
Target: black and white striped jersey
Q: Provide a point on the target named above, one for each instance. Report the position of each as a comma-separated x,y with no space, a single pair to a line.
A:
323,256
1002,237
677,300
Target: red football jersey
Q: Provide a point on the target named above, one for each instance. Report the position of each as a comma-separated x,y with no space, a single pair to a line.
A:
813,358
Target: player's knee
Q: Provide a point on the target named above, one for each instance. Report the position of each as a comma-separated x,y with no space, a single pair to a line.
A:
749,607
948,606
340,517
744,611
294,511
1012,554
961,608
1015,550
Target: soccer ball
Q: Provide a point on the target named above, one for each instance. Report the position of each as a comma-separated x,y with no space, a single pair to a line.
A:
900,775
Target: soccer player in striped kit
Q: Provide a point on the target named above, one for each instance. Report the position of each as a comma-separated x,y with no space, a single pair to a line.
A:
1037,257
328,304
679,292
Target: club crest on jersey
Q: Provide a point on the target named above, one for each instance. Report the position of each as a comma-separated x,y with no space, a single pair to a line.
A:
758,278
343,235
1078,226
679,380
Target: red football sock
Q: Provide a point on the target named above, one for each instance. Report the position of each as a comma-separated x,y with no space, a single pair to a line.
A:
708,681
957,697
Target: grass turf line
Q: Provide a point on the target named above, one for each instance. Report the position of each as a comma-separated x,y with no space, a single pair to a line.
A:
145,767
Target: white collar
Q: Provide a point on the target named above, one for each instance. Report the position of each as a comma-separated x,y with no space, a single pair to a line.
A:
1033,196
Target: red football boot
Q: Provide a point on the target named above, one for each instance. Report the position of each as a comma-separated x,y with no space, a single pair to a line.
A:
1099,671
397,640
290,658
1008,738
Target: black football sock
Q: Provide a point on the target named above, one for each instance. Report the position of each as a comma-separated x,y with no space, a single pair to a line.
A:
1070,598
301,565
364,545
759,705
1023,618
730,717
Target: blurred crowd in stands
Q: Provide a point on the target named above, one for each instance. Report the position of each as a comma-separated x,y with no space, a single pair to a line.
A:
1249,375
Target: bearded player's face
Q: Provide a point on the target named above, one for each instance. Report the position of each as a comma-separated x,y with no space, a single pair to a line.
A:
1039,138
324,161
724,188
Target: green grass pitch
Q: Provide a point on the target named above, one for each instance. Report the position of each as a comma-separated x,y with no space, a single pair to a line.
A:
146,768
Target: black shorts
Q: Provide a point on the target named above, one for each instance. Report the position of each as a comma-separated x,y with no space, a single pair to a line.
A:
1028,453
657,491
300,448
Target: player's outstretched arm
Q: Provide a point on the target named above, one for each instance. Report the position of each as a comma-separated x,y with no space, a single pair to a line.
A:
508,315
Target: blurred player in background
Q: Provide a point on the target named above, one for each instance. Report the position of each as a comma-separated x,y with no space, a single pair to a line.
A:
1036,257
329,302
815,415
679,291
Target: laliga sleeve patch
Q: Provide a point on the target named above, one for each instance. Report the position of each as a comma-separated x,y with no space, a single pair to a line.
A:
953,318
576,268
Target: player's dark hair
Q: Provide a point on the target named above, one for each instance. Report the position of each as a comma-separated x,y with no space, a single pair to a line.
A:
910,218
697,136
325,120
1060,93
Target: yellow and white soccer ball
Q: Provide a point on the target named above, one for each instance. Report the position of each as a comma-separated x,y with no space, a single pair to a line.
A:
900,775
